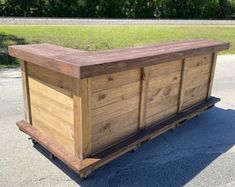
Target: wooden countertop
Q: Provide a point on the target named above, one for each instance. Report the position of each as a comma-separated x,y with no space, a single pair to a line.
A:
83,64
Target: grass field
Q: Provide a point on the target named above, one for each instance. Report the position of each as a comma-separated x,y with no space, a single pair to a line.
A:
106,37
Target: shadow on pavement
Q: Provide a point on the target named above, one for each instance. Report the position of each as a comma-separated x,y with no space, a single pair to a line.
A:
172,159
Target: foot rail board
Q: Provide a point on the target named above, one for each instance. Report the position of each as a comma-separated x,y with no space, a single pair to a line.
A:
88,165
70,160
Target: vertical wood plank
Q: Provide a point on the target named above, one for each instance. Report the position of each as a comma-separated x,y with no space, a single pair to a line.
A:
26,95
212,72
85,94
82,117
77,119
184,73
143,96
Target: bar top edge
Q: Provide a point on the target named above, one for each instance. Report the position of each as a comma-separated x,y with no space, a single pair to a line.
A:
78,63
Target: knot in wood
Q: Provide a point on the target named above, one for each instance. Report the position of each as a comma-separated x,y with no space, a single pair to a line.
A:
102,96
61,84
106,126
110,78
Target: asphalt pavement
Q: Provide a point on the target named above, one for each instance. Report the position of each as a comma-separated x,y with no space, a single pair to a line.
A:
199,153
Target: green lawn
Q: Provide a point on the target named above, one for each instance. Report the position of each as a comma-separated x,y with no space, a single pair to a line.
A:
107,37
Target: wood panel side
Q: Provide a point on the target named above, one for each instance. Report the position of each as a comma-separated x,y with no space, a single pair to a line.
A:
201,60
114,110
82,117
26,95
162,69
196,83
52,112
163,91
115,102
114,80
212,72
162,105
77,112
113,95
51,77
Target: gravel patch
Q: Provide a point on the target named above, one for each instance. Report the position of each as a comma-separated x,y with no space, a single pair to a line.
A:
77,21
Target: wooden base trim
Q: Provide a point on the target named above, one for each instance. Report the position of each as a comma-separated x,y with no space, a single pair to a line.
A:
50,145
88,165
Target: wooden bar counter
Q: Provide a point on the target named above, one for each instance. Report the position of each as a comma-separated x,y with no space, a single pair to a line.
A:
88,108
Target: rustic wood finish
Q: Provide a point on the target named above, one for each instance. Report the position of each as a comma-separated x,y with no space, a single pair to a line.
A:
25,86
52,112
88,64
182,84
145,72
88,108
212,75
88,165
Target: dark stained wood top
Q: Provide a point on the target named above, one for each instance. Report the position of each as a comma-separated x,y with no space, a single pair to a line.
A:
83,64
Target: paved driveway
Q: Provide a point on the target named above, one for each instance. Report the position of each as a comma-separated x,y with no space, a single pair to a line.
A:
200,153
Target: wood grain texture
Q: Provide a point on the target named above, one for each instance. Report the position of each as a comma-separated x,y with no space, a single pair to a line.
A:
88,165
184,76
114,80
111,139
164,80
163,91
50,115
77,112
113,95
141,137
26,95
195,81
61,96
82,117
200,60
115,102
115,109
56,79
145,73
163,69
88,64
162,109
194,101
51,105
96,106
112,125
162,115
192,92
